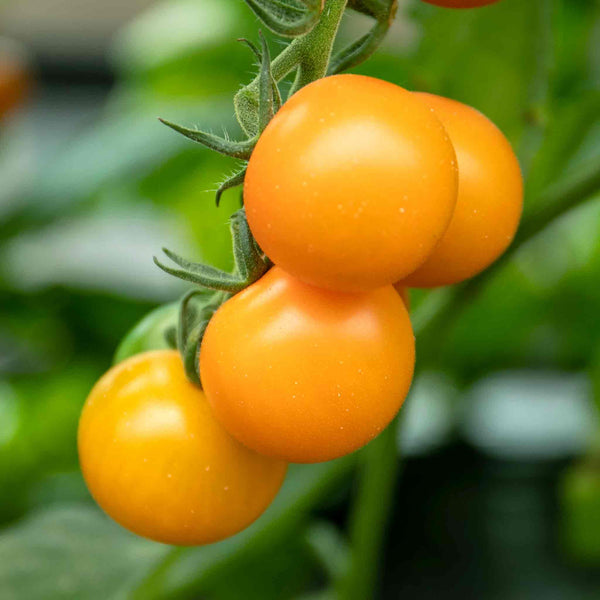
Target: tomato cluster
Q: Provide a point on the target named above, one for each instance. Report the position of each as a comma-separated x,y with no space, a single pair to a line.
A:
356,190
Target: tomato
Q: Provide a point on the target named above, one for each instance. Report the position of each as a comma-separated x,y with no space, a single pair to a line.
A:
461,3
352,184
149,333
490,197
157,461
305,374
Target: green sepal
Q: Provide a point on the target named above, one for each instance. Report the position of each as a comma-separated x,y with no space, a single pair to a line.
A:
266,108
235,149
170,336
249,261
193,320
288,18
231,182
198,306
364,47
254,109
200,274
245,104
374,8
251,264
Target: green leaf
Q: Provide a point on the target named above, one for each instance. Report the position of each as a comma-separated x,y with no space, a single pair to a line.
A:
149,333
289,18
266,108
72,552
233,181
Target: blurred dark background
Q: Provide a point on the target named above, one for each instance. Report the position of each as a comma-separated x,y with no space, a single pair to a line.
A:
499,494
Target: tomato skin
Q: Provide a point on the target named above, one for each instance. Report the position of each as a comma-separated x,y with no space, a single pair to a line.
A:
490,197
157,461
352,184
305,374
461,3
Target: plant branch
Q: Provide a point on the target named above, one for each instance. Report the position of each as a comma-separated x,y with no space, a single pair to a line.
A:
317,45
310,51
378,469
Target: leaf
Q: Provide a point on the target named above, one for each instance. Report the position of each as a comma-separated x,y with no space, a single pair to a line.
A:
72,552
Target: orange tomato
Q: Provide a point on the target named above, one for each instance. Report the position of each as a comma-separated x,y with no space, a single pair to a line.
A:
490,197
305,374
352,184
461,3
157,461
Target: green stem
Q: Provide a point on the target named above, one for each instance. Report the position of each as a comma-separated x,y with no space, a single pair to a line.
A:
310,52
317,44
370,514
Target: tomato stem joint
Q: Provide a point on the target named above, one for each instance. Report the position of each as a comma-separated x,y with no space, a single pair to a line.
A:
198,305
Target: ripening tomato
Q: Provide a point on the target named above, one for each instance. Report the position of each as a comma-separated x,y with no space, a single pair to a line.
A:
461,3
306,374
490,197
352,184
157,461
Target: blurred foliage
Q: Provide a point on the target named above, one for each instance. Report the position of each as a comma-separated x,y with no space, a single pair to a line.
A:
532,67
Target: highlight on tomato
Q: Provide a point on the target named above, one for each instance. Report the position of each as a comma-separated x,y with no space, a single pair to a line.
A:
490,197
461,3
305,374
156,460
352,184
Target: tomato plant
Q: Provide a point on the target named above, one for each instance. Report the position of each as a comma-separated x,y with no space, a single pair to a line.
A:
490,197
352,184
306,374
157,461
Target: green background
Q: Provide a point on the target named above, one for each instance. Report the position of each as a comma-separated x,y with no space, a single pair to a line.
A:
499,495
